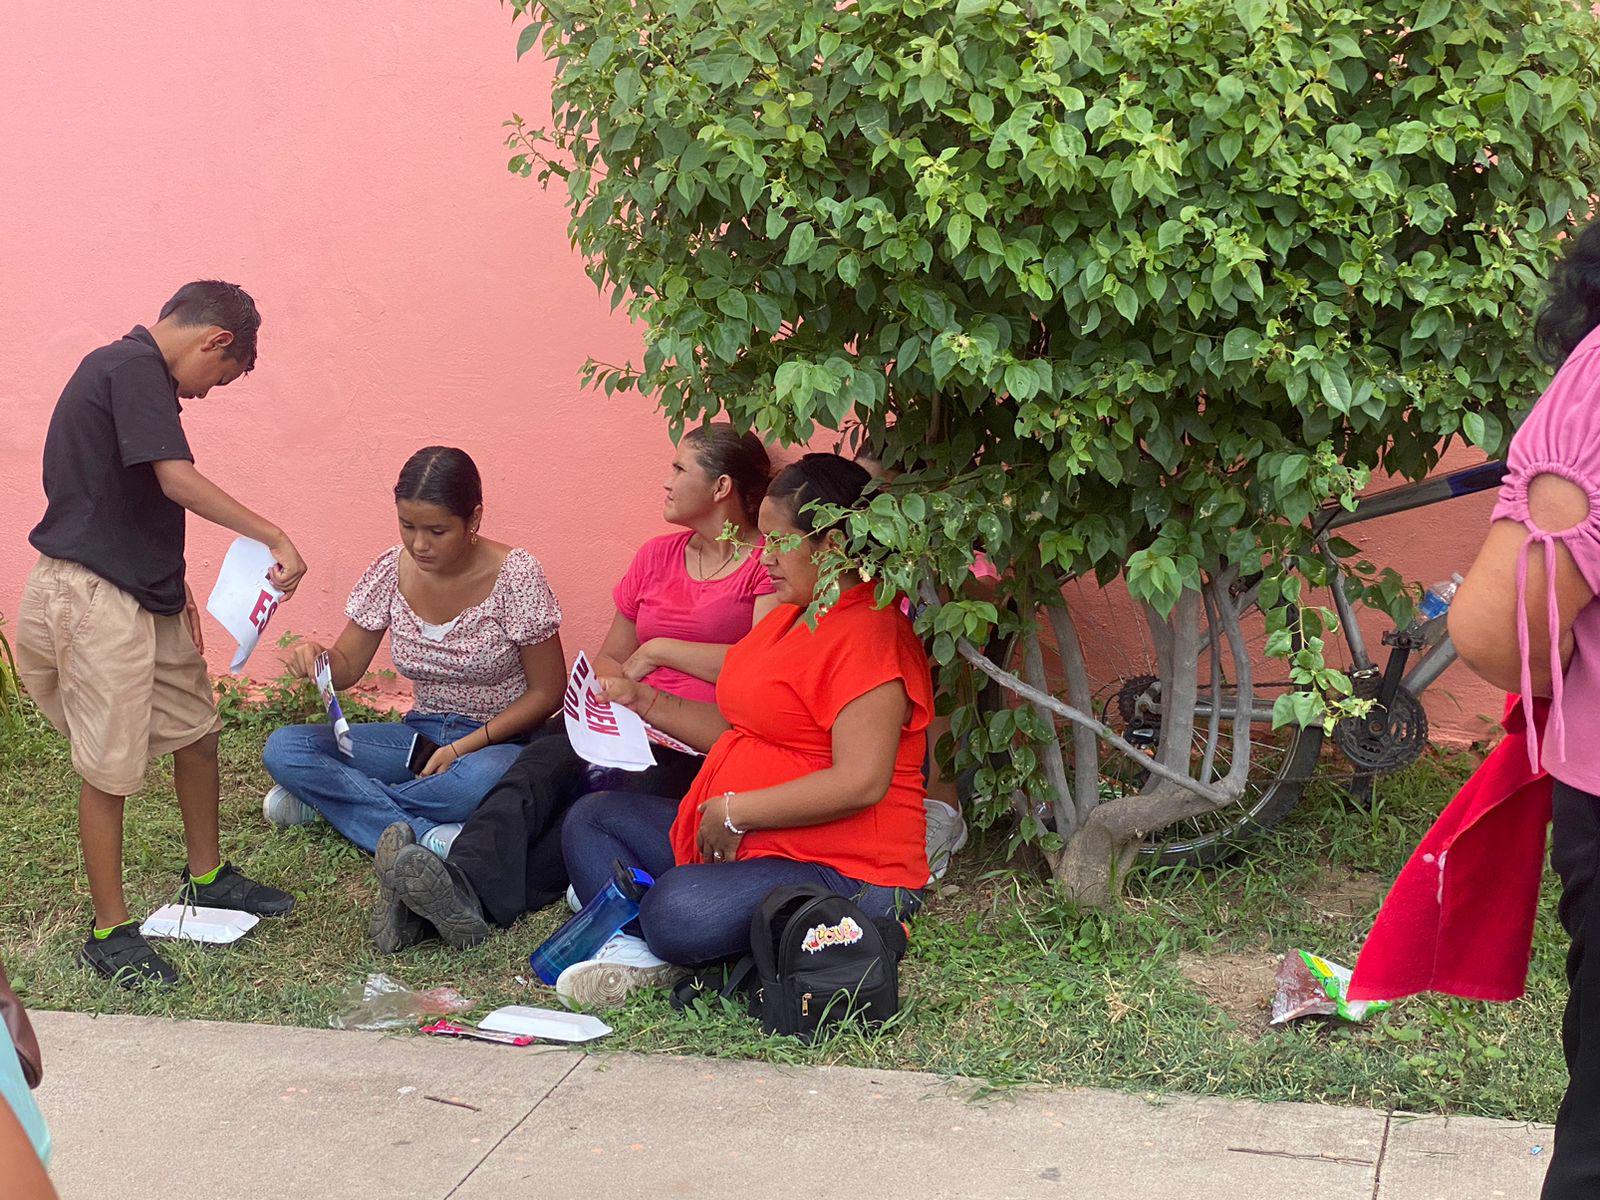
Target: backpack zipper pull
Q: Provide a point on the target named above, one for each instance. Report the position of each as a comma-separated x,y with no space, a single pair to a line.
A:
805,1005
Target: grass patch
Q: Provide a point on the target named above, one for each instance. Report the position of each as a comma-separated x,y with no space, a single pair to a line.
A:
1004,983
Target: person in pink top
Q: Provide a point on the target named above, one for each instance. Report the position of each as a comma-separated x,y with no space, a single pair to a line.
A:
684,599
1526,620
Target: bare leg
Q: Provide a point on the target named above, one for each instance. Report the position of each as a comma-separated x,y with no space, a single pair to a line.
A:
100,834
199,787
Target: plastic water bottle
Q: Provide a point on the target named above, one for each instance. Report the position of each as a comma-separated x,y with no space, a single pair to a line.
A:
592,926
1435,603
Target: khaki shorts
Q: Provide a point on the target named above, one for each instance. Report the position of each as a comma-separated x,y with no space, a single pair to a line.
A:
125,685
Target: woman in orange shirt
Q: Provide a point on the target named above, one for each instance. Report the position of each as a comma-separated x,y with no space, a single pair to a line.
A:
813,773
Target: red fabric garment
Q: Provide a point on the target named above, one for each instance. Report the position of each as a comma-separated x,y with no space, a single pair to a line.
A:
1459,918
782,687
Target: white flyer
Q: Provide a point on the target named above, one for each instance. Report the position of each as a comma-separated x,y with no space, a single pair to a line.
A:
330,700
605,734
243,599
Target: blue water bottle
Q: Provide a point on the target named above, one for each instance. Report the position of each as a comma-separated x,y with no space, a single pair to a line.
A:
595,925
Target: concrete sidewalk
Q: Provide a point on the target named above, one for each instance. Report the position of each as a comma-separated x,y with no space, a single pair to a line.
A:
142,1107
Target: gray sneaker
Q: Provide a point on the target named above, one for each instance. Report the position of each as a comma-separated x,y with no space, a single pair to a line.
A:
280,806
947,833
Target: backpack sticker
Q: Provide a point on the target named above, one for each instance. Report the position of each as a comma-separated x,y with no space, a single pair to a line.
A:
820,937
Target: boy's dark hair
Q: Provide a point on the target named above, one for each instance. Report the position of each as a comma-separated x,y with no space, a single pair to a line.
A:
822,479
722,450
226,305
444,476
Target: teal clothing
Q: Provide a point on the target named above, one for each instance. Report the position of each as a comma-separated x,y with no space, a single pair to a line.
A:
14,1090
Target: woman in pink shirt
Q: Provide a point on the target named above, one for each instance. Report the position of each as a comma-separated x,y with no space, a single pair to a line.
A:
1526,620
682,602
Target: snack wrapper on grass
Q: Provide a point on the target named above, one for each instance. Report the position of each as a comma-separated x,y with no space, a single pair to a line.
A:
1309,986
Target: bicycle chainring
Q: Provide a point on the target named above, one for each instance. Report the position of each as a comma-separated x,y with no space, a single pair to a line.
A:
1383,742
1127,701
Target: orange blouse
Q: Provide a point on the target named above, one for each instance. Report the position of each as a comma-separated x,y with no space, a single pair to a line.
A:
782,687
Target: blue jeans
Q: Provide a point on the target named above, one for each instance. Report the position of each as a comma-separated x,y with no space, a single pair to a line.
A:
698,913
363,795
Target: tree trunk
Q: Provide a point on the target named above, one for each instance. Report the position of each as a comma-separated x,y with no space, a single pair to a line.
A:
1178,684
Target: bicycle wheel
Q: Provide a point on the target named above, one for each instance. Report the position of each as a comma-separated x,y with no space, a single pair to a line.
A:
1127,699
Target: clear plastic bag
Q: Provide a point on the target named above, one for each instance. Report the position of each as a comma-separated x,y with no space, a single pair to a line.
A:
383,1003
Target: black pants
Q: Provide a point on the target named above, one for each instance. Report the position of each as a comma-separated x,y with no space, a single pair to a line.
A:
510,848
1574,1171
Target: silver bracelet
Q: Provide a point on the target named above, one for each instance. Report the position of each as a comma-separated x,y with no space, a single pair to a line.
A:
727,816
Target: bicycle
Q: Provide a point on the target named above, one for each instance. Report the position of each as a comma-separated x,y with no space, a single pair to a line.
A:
1391,736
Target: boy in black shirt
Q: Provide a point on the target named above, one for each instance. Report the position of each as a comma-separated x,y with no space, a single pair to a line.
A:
109,642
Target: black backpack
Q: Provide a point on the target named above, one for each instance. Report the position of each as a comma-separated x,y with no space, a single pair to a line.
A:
814,959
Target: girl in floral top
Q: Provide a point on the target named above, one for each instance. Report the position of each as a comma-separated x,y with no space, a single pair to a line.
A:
473,624
686,598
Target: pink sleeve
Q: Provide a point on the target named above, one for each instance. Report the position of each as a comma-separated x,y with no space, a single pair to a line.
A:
528,611
371,598
1561,436
631,587
754,580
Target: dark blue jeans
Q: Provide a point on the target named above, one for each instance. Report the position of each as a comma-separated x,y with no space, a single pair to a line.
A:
699,913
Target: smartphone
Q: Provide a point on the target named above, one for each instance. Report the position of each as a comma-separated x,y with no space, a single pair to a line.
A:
422,749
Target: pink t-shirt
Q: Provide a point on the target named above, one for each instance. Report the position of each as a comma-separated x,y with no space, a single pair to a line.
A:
475,668
663,600
1561,436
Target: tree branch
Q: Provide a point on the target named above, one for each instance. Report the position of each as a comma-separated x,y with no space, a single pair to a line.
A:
1214,724
1011,683
1085,749
1055,767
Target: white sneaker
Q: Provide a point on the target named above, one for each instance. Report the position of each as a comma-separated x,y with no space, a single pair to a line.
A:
604,981
572,899
440,838
947,833
280,806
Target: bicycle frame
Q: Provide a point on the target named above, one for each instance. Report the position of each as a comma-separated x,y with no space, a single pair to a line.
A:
1436,659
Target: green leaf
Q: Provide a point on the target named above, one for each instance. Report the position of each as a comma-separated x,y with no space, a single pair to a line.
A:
1430,14
1240,344
802,241
528,39
1127,303
1252,13
959,230
627,86
1335,386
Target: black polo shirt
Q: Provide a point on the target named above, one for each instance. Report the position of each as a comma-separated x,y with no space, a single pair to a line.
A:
105,508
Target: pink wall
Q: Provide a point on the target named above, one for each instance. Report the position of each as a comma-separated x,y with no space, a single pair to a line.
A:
345,163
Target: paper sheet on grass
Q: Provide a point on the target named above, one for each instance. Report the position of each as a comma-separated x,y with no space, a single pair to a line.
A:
214,926
603,733
243,600
547,1024
330,701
